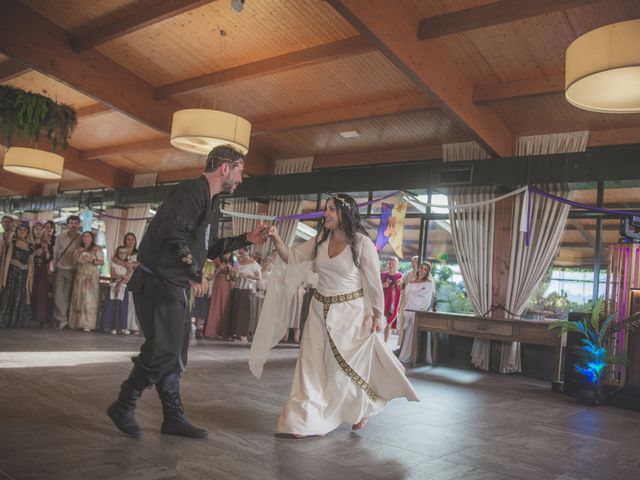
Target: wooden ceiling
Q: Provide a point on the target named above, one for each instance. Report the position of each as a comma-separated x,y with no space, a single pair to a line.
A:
408,75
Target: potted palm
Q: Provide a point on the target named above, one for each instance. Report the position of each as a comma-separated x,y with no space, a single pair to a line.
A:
596,350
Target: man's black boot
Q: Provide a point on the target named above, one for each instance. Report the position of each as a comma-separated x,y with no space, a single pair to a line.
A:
175,423
121,411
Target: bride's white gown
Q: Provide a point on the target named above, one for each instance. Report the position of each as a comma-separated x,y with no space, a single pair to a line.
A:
326,393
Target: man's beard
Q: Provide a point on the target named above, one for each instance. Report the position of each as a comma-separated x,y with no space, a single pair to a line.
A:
228,186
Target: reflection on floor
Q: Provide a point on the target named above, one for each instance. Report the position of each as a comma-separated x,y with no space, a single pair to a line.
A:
469,425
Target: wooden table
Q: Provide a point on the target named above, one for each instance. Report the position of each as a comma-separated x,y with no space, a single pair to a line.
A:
525,331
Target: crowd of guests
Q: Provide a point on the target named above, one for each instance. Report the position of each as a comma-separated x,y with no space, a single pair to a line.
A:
54,280
51,280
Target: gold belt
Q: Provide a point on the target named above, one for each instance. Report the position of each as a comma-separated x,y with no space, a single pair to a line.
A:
346,368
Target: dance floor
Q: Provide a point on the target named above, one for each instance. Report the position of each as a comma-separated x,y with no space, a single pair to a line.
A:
56,385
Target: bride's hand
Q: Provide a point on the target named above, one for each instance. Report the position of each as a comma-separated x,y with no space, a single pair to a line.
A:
273,233
377,324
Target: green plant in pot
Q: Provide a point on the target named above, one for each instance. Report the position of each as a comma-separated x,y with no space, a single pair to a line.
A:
32,114
598,334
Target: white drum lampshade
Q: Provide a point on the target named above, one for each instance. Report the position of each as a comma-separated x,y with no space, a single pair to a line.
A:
603,69
199,130
32,162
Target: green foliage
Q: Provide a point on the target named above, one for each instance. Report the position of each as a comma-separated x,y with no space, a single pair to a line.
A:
33,114
597,333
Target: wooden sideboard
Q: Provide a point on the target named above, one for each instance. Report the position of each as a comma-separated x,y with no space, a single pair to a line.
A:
525,331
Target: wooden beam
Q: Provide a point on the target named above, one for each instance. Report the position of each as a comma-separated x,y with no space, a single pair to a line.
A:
10,69
155,13
256,164
19,184
617,136
36,41
496,13
519,88
412,103
375,157
93,110
290,61
126,148
391,26
583,233
98,171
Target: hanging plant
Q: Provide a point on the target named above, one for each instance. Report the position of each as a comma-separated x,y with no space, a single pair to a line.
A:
33,114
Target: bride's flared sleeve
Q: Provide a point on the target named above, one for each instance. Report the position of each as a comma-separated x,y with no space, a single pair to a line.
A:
371,283
276,313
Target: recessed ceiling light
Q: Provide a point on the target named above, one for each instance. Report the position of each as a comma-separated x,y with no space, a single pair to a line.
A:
350,134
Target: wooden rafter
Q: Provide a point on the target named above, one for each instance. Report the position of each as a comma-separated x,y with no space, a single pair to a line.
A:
36,41
496,13
92,110
122,149
519,88
156,13
302,58
391,26
10,69
19,184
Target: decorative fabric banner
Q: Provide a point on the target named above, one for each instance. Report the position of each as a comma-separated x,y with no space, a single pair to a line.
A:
391,228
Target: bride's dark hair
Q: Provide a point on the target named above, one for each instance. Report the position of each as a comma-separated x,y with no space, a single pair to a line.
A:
350,223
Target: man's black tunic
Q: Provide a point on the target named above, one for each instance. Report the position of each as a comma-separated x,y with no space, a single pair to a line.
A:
173,250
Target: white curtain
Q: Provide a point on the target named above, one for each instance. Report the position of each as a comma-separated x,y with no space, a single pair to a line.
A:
243,225
528,265
115,229
472,232
287,205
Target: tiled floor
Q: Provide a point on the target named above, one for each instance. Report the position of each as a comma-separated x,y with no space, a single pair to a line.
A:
469,425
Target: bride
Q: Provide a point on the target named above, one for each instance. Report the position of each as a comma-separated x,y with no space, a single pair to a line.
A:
344,371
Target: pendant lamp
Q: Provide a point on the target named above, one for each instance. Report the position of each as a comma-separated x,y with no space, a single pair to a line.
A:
199,130
32,162
603,69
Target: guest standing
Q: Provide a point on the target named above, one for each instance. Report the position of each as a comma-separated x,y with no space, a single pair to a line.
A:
391,288
15,308
86,287
65,270
243,295
419,295
114,316
218,316
41,264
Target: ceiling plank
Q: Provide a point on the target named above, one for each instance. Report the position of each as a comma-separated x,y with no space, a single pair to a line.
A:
92,110
269,66
519,88
98,171
496,13
376,157
126,148
10,69
411,103
158,12
36,41
391,26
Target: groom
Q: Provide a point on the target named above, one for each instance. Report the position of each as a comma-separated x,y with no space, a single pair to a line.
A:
171,256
